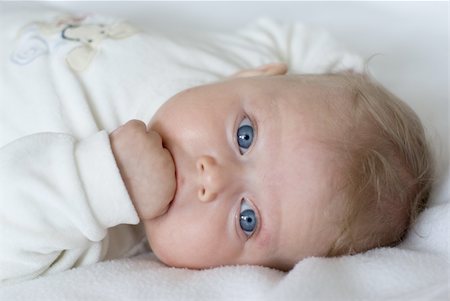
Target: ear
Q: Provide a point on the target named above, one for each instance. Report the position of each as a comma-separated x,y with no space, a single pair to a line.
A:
269,69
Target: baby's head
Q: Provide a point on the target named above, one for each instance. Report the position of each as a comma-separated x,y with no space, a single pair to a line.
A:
274,168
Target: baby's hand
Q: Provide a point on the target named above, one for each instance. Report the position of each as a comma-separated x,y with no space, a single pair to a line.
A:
147,168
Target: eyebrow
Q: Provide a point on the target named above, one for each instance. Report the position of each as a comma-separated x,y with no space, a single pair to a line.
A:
269,234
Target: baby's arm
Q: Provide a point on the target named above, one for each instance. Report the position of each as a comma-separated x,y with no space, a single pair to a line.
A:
147,168
58,197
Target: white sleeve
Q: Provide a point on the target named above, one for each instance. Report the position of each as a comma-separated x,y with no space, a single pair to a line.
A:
58,197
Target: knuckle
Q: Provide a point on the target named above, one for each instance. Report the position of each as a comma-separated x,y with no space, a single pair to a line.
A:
135,124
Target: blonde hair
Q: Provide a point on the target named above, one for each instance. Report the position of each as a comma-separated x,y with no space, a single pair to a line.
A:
386,167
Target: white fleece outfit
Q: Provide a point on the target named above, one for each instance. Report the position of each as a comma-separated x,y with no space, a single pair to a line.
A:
62,199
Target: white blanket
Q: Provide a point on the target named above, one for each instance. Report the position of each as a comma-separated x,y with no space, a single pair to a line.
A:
415,270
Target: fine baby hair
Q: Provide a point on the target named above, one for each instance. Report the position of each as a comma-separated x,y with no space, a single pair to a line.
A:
386,167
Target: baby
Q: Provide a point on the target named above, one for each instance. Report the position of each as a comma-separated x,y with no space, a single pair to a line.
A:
263,168
267,168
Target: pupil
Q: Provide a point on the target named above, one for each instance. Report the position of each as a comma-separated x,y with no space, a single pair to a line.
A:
245,136
248,220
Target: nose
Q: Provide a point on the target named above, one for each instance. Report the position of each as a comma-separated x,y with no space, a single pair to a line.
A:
213,178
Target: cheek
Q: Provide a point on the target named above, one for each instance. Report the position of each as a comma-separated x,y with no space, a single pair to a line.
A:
264,241
193,242
184,130
184,243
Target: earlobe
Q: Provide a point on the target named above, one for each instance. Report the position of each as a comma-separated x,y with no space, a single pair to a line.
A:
268,69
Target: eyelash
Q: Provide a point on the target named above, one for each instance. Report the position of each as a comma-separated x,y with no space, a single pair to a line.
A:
253,125
256,217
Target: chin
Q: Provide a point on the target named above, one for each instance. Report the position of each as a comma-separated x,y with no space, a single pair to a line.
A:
164,251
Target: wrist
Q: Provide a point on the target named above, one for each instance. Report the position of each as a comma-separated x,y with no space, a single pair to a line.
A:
102,181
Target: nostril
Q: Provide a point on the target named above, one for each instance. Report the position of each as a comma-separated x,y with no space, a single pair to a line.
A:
202,195
200,166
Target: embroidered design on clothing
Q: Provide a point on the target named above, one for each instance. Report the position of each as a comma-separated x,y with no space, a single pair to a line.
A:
41,38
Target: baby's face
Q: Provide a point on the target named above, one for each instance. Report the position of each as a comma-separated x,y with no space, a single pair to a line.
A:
254,185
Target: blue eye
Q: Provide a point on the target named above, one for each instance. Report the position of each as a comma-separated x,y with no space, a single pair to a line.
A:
247,218
244,135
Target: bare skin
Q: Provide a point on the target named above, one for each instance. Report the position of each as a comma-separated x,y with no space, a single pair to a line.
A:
147,168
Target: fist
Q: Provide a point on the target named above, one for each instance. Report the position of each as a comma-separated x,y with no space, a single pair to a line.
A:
147,168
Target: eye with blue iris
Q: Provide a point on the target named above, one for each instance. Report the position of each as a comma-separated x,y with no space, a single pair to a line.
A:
244,135
247,218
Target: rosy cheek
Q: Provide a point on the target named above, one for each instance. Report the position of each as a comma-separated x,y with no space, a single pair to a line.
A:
264,239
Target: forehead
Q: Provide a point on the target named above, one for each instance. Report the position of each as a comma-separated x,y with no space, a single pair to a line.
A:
306,192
